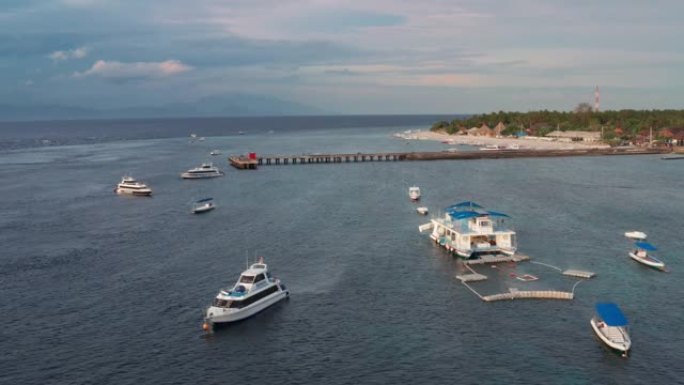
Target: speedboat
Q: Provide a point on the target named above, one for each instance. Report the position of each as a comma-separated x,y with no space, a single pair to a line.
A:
610,326
414,193
254,291
203,205
129,185
636,235
206,170
641,255
215,152
422,210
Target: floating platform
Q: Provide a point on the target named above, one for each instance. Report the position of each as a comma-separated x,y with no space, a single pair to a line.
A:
536,294
579,273
497,259
471,277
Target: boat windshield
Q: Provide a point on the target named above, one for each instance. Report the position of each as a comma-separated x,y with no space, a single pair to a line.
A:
246,279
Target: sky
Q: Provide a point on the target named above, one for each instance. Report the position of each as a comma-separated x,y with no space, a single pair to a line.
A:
346,57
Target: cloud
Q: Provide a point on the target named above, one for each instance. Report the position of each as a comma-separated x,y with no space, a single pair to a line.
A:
76,53
116,70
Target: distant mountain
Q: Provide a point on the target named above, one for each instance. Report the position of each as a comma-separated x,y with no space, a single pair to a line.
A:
223,105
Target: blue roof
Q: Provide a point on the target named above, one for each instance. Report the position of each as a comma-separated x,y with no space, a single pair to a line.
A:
463,214
611,314
469,204
205,200
645,245
497,214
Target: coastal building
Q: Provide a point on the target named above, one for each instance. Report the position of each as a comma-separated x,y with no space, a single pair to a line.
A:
575,136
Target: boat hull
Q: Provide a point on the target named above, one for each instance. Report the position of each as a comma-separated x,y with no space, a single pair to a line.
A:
186,175
620,347
648,261
201,210
218,315
138,193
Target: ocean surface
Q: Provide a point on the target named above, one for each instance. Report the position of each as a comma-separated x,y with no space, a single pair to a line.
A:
104,289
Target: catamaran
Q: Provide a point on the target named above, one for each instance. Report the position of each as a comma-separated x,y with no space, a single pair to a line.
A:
206,170
254,291
641,255
129,185
469,230
610,325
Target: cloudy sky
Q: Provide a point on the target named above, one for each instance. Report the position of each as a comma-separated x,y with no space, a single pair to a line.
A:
381,56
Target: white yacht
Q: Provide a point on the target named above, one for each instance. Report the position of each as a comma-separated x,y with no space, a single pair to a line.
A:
206,170
610,325
129,185
203,205
641,255
254,291
215,152
414,193
469,231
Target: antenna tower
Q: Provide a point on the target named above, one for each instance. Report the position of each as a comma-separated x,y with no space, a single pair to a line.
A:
597,100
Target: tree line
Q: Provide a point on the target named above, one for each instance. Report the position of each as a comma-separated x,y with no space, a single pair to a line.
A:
623,124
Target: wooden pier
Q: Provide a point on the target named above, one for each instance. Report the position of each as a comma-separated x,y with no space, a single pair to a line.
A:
243,162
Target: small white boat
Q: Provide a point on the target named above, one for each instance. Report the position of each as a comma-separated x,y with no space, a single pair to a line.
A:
610,326
203,205
422,210
130,186
490,147
254,291
215,152
513,147
641,255
206,170
637,235
414,193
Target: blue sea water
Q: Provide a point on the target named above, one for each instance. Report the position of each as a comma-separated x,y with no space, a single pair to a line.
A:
103,289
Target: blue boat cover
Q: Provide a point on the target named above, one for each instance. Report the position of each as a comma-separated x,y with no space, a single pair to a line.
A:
497,214
205,200
611,314
465,204
645,246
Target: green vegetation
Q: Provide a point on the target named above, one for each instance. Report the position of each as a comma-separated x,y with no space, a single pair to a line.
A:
622,124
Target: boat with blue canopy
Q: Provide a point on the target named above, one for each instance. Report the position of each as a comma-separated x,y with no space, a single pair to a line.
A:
469,230
641,254
203,205
611,327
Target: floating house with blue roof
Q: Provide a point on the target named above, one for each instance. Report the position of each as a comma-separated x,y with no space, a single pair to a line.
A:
469,230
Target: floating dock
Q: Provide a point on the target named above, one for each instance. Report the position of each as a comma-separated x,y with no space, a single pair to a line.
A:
240,161
497,259
579,273
536,294
474,277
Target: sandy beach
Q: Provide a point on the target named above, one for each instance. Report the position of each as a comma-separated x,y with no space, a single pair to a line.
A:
525,143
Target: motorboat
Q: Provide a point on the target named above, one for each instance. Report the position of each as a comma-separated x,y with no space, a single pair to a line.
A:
130,186
636,235
611,327
206,170
422,210
490,147
215,152
468,230
641,255
203,205
414,193
254,291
